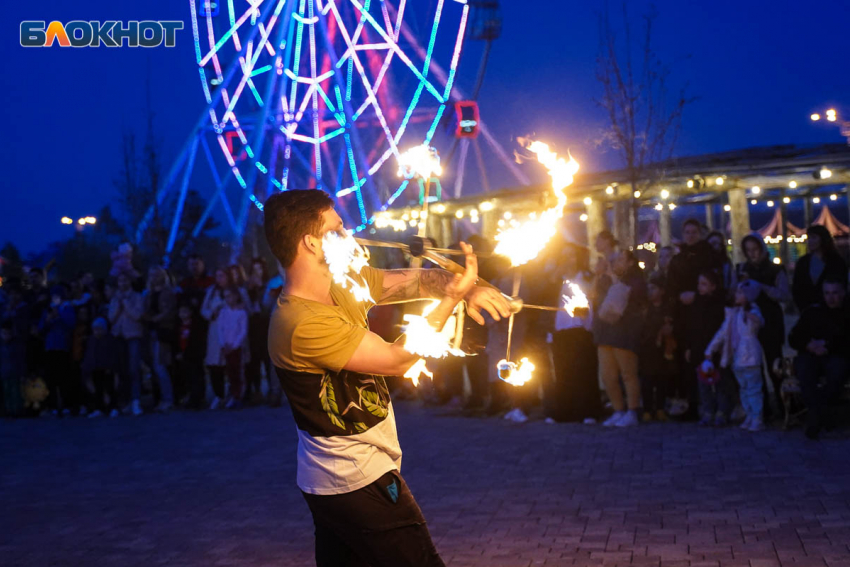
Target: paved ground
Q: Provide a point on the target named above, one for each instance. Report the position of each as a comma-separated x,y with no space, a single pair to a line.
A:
217,489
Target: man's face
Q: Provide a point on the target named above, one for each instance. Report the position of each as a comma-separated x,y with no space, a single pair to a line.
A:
690,234
833,295
331,222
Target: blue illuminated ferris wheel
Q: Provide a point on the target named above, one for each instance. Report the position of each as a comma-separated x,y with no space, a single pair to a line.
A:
313,93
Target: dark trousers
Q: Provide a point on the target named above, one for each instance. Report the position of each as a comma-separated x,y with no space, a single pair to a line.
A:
716,398
655,389
58,376
217,380
379,525
233,369
476,369
817,396
191,373
574,393
103,382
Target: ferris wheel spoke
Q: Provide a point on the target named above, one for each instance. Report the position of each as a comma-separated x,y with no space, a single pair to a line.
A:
245,75
214,47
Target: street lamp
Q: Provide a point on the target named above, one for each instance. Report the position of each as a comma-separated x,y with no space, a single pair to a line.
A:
832,116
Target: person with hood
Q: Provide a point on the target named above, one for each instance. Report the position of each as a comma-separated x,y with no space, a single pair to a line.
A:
822,262
737,340
772,282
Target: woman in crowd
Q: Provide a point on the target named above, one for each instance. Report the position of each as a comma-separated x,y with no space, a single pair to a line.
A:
211,308
728,275
126,309
772,283
823,262
618,317
160,308
258,330
232,323
658,364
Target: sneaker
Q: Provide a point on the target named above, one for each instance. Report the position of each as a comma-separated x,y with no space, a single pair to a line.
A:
660,415
163,407
216,403
549,421
614,419
647,417
83,411
630,419
232,403
114,413
720,421
518,416
747,422
95,413
136,408
756,425
705,421
66,412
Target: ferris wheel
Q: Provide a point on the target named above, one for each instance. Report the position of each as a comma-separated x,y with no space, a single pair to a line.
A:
312,93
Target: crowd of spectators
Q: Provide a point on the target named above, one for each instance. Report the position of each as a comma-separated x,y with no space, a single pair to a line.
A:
696,338
99,347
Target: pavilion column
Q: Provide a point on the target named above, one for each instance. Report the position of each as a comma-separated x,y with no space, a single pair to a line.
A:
489,225
623,225
433,228
447,231
595,224
709,216
740,217
664,225
807,211
783,246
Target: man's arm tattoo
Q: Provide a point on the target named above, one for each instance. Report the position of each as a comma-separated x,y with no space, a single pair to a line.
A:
414,284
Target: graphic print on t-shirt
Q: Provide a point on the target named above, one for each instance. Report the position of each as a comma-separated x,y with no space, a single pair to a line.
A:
335,403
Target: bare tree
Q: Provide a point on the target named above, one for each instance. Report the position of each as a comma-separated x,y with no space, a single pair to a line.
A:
644,117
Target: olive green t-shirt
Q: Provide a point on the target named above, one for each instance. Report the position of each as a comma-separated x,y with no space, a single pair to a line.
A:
309,336
347,435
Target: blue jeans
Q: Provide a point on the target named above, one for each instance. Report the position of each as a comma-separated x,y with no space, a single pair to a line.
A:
810,369
752,400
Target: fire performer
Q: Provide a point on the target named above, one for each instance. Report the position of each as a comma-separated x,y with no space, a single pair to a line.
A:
332,369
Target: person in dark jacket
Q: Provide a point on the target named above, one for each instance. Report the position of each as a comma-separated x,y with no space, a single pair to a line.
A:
12,367
56,326
191,349
695,256
658,367
822,340
101,364
616,331
707,314
821,263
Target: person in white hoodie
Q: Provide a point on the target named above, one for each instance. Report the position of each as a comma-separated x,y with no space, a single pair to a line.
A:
738,337
232,332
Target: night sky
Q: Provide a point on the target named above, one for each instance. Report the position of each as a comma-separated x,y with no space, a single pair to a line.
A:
758,70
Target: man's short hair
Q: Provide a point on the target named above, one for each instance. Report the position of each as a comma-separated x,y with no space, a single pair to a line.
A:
694,222
289,216
832,280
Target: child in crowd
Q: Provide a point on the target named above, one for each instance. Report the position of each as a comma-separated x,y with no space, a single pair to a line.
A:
12,367
191,347
232,331
658,369
100,366
705,320
738,339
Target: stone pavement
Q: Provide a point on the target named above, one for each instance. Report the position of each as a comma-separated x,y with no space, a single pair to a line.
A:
217,489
